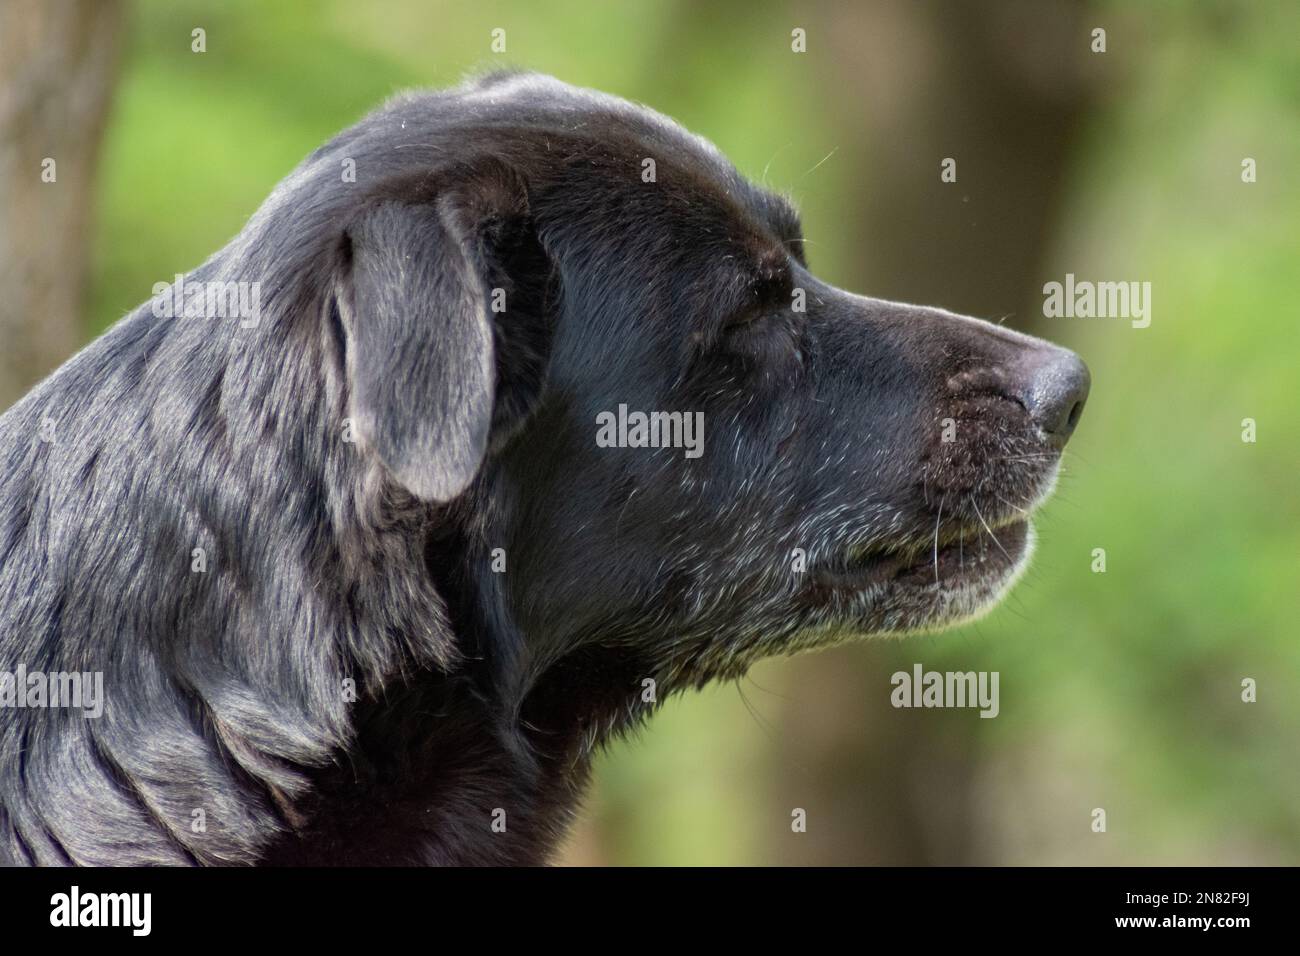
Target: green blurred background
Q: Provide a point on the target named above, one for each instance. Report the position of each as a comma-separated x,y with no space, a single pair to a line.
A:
1119,690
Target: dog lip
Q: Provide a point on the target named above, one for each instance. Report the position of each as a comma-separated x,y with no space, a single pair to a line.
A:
980,555
971,553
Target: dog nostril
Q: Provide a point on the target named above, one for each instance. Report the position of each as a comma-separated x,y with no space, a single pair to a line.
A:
1054,389
1075,413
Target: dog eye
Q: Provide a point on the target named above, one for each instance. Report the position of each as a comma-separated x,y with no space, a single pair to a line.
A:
759,312
743,319
763,338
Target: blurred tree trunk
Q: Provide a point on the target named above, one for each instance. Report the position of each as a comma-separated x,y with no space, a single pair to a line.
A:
57,63
1000,88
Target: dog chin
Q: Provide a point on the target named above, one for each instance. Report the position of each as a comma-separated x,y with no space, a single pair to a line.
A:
888,594
964,597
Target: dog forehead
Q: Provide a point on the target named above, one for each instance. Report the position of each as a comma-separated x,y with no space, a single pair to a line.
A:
545,100
573,106
547,126
541,102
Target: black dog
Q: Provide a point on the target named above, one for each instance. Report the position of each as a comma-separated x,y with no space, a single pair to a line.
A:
362,580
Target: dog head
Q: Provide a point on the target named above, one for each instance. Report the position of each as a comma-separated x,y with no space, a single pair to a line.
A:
665,448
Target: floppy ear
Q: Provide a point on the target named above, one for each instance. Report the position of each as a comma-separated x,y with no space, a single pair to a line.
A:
419,341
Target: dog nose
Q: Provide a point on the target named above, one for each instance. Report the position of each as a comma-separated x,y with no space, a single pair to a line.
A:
1054,389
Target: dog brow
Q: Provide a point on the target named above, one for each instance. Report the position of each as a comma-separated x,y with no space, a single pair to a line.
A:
782,218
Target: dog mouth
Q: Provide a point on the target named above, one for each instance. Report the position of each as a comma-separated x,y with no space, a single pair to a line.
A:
958,571
972,560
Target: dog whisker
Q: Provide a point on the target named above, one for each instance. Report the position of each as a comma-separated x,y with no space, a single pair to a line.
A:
1009,504
822,160
988,529
936,538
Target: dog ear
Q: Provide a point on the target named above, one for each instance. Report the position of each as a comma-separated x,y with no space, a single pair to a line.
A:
420,355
